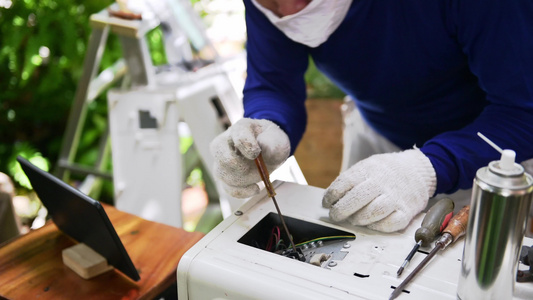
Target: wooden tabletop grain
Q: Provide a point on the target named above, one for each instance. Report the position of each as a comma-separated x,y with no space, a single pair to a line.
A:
31,265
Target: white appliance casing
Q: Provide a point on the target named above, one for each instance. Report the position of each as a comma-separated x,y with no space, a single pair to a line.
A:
219,267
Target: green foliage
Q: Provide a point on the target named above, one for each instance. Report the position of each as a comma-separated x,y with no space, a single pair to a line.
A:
42,50
43,44
195,178
25,150
319,86
156,46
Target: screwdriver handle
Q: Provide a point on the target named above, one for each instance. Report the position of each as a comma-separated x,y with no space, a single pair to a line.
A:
436,219
456,228
263,172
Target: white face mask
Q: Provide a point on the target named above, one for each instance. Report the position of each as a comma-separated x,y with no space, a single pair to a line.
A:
312,25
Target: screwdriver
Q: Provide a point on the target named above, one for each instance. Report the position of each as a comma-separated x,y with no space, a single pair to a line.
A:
434,222
455,229
263,172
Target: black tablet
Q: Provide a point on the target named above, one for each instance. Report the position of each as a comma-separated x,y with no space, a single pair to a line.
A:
80,217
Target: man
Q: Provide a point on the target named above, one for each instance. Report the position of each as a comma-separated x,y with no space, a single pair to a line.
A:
426,76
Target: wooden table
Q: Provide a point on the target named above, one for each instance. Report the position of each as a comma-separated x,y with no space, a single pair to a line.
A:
31,265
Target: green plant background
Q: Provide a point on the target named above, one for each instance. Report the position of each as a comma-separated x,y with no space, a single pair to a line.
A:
37,88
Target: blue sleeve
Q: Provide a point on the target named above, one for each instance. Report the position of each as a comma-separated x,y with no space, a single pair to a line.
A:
275,87
497,38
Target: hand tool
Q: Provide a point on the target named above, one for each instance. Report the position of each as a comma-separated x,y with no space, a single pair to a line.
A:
436,219
263,172
455,229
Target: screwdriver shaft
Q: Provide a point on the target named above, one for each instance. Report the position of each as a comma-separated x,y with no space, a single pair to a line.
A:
263,172
455,229
409,257
284,225
400,287
435,220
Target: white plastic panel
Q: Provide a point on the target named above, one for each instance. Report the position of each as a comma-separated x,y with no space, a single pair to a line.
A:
147,172
219,267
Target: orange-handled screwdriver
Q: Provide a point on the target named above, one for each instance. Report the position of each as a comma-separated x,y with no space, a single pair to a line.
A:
263,172
455,229
434,222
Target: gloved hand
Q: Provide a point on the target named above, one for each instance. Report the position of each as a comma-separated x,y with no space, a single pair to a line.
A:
383,192
235,150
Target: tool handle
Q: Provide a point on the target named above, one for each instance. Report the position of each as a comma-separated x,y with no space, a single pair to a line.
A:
436,219
456,228
263,172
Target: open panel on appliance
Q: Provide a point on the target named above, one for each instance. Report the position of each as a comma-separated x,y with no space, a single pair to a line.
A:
319,245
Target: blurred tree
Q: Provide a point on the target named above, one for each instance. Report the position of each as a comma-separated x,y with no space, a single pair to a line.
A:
42,47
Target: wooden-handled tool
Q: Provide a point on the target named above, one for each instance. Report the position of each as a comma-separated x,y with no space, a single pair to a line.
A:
434,223
263,171
455,229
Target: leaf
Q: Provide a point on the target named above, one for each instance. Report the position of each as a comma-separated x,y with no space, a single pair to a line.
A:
32,48
28,152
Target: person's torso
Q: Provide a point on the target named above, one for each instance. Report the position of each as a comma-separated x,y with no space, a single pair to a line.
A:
401,61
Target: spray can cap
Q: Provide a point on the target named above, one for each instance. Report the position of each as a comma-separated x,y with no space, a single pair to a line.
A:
506,165
507,159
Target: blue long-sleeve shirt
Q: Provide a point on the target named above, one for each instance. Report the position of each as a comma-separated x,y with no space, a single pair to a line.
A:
424,73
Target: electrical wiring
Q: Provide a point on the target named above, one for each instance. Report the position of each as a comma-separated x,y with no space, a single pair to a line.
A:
275,242
280,244
274,239
335,237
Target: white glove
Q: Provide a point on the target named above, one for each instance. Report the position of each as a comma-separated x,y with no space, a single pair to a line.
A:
235,150
383,192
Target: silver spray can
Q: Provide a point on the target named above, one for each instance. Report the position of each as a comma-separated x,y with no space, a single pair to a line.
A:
501,197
